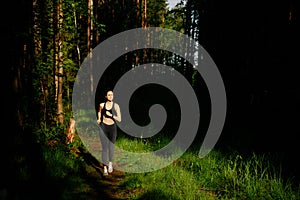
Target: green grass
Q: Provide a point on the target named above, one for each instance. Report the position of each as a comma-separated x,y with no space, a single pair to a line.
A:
215,176
139,145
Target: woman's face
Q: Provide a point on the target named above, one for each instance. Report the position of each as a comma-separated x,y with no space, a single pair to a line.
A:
110,95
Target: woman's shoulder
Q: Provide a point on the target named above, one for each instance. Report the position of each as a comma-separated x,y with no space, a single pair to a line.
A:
116,104
102,104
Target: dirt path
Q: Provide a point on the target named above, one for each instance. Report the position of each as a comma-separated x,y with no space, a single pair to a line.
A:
106,187
112,185
99,186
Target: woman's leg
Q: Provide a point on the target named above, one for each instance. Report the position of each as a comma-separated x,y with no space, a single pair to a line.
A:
105,144
112,138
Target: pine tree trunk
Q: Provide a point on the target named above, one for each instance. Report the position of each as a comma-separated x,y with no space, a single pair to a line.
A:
89,43
60,72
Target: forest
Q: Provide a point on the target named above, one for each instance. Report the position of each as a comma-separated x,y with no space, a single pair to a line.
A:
254,45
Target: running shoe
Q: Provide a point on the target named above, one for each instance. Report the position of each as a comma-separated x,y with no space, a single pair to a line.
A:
110,167
105,173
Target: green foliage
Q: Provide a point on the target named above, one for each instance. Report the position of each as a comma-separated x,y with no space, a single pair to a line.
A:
155,12
63,170
175,19
59,163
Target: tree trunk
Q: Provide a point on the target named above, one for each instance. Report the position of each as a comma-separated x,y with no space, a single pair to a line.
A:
89,42
76,28
60,72
144,25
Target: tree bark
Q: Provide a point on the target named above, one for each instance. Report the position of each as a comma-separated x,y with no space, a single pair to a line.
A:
60,71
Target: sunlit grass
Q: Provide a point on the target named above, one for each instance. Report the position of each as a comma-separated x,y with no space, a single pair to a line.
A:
215,176
139,155
140,145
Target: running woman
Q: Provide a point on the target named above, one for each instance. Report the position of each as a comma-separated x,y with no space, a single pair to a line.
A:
108,114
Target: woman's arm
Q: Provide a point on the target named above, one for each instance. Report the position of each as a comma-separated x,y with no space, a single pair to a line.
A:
99,113
118,113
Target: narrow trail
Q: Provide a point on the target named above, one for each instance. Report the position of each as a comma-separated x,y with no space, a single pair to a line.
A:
106,187
112,187
102,187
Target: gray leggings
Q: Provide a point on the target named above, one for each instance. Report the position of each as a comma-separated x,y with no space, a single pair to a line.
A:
108,136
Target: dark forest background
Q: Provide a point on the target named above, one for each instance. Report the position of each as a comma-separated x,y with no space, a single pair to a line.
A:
255,45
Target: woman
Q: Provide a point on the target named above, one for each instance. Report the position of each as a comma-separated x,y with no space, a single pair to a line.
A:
108,114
